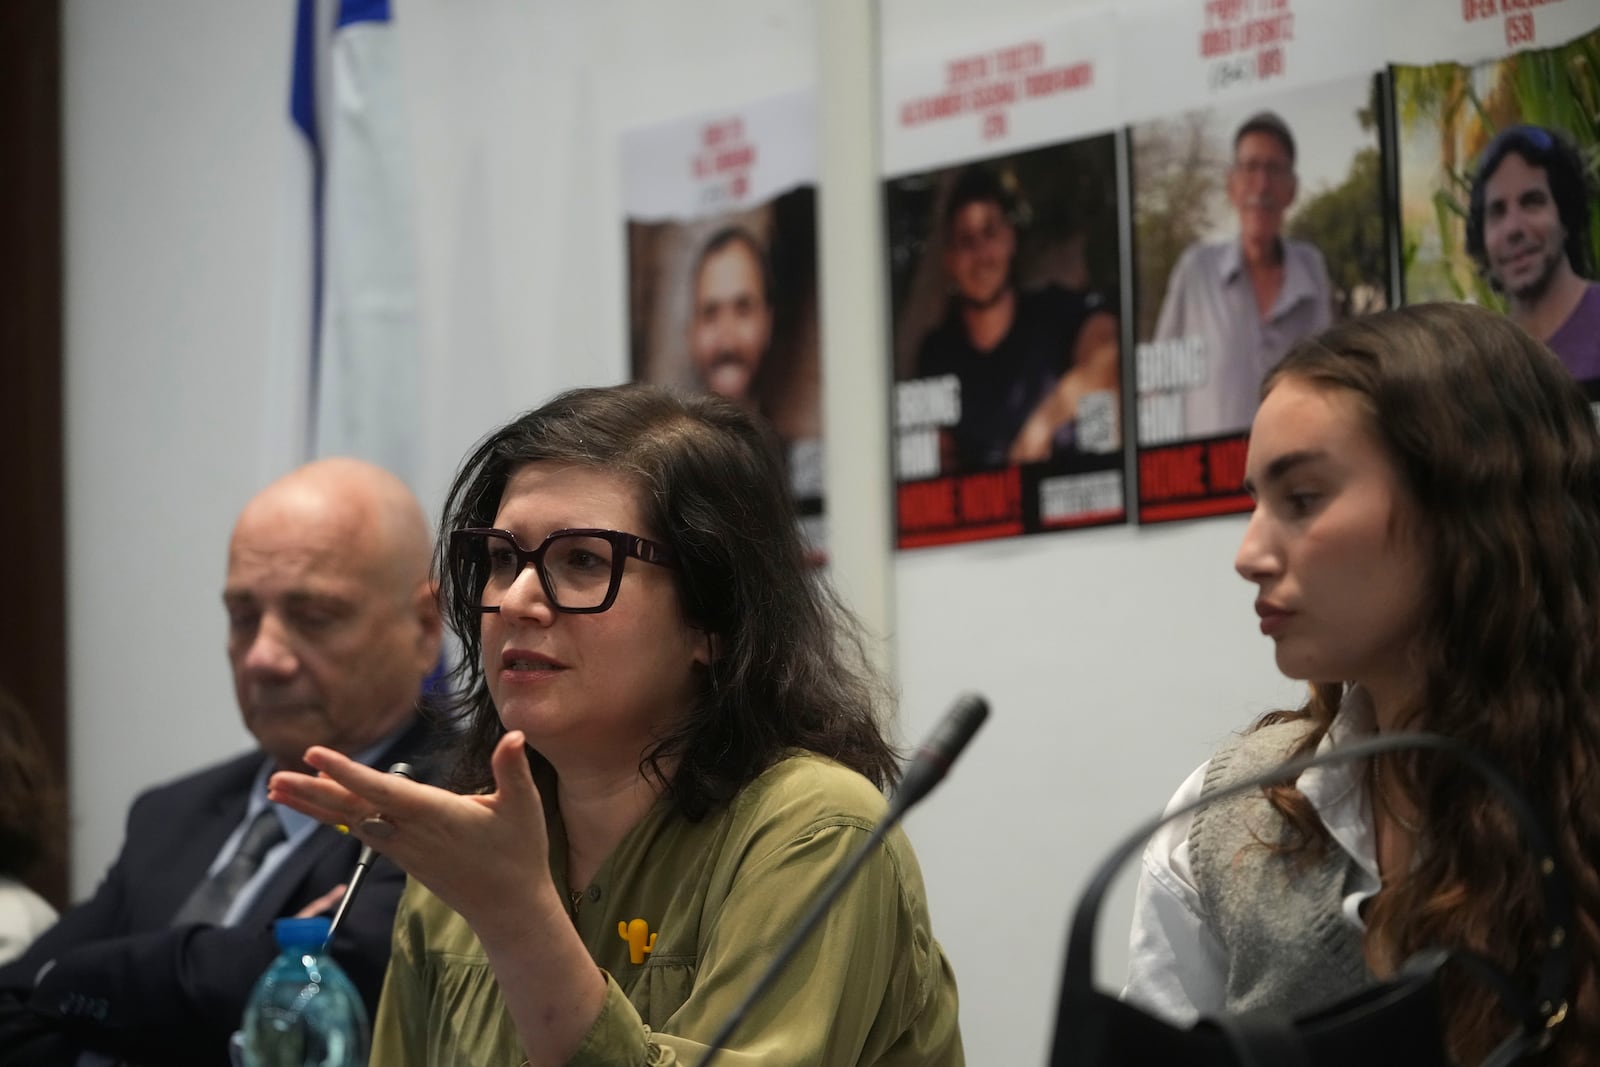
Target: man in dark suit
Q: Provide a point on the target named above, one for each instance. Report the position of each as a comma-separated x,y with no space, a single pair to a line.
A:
332,628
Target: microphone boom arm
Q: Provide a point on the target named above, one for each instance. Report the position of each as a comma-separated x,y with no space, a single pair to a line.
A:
932,760
363,861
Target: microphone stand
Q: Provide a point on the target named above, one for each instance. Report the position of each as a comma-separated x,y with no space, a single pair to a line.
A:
363,861
933,759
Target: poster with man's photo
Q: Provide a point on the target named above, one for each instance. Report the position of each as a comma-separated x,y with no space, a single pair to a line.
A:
1499,203
722,271
1004,276
1256,224
1004,247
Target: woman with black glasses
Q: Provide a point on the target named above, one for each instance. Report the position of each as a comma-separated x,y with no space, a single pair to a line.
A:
671,743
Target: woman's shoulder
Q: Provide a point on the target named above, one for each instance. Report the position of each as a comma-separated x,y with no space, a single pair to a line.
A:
809,804
1254,751
803,787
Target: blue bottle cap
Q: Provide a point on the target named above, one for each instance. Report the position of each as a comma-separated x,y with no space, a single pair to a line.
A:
300,933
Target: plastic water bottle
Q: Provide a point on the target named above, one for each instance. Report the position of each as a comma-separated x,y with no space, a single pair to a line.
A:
304,1011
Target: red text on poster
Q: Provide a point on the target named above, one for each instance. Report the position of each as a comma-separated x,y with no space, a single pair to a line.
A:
1518,16
1245,40
722,162
1191,480
988,84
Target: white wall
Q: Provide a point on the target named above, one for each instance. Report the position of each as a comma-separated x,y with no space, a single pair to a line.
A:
1114,659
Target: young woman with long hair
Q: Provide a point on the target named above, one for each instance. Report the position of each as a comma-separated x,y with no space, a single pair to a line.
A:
1425,546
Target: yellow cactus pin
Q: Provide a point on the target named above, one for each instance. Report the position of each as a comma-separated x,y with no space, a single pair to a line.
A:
641,942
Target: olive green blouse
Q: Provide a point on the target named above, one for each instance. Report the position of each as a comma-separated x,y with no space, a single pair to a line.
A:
683,917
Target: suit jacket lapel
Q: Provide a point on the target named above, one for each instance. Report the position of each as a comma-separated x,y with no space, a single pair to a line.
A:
203,835
283,894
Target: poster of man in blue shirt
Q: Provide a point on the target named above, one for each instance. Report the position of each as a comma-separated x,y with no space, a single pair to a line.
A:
1255,226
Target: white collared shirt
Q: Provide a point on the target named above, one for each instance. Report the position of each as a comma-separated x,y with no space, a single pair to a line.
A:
1211,300
1176,966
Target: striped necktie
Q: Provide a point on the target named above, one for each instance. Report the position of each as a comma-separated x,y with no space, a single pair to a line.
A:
211,899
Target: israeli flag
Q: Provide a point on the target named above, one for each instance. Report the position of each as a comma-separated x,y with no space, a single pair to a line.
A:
345,377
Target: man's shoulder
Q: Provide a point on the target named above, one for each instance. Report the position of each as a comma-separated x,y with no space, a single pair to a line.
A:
1306,252
1587,310
421,743
1059,299
426,743
239,768
173,803
1202,257
1053,316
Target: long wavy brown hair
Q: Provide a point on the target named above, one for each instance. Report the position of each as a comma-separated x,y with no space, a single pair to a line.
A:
1498,447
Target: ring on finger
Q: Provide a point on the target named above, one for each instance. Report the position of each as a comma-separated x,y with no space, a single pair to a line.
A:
377,825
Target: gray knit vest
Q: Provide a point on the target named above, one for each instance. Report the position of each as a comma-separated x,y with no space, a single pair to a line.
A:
1278,915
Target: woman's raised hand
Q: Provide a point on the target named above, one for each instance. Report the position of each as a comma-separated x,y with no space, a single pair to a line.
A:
485,855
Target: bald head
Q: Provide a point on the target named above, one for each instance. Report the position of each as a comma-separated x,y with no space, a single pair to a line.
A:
331,619
353,500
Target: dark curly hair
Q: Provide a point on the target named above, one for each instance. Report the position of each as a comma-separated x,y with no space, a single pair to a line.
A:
1498,448
790,670
1559,160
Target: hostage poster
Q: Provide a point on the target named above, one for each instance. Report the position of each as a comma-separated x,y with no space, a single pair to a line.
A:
1005,260
722,271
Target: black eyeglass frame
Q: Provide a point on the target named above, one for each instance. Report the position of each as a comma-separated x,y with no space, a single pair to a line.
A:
624,544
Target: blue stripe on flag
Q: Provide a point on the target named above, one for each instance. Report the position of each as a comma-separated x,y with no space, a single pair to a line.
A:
351,11
303,111
303,78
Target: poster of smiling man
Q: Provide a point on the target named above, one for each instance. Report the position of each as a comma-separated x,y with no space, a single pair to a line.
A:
722,271
1256,224
1497,169
1004,242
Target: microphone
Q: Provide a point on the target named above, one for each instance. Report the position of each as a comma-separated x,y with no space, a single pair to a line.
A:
928,768
932,760
406,771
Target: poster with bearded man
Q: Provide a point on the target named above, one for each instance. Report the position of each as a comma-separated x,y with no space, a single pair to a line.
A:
722,271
